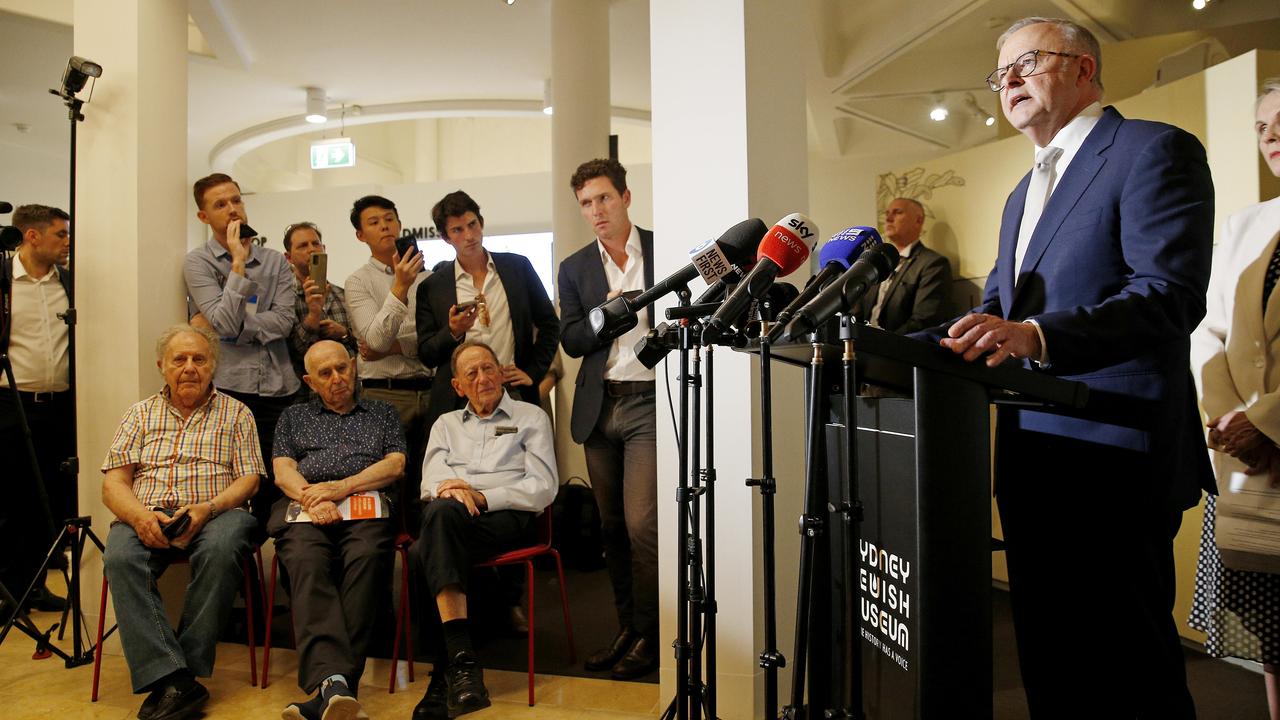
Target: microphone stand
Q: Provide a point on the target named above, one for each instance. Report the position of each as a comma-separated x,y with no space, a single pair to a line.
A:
850,512
770,658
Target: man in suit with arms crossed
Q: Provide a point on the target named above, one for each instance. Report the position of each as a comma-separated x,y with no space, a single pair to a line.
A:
614,411
1101,277
916,295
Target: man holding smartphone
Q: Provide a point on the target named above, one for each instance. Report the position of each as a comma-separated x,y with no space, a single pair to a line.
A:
493,298
320,305
381,295
244,293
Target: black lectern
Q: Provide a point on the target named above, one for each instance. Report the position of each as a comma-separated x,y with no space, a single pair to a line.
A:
913,594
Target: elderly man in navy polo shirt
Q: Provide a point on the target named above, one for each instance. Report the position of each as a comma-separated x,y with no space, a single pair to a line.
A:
332,455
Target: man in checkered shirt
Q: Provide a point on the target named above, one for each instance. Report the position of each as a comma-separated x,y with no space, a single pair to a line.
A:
187,450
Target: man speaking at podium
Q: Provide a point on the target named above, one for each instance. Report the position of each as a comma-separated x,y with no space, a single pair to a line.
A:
1101,277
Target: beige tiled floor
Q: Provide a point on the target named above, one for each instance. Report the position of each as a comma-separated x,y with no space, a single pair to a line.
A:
45,690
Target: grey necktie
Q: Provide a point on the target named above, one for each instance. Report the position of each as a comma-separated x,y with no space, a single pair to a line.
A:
1037,195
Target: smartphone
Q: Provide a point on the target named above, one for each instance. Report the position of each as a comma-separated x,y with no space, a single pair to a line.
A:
463,307
247,232
177,526
319,269
403,243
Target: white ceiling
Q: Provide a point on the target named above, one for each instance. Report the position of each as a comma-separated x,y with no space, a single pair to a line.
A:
875,66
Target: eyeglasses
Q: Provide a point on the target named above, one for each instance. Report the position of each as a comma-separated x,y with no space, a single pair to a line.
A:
1025,64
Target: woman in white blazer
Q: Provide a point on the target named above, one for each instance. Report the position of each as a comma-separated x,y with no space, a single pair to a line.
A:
1235,355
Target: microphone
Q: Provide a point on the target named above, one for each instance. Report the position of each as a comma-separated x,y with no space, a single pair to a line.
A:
5,207
840,251
872,267
782,251
716,291
613,318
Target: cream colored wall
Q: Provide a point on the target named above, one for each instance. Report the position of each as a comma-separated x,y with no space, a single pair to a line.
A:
423,151
1216,106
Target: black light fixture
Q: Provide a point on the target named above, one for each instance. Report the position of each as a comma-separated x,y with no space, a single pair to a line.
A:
78,72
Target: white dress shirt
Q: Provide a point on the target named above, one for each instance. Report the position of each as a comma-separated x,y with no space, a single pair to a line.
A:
497,333
507,456
622,365
379,319
1069,139
38,338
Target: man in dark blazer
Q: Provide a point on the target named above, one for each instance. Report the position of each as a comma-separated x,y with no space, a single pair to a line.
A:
614,411
494,298
916,295
1105,289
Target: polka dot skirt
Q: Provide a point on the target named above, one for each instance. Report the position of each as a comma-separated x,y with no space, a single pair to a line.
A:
1239,610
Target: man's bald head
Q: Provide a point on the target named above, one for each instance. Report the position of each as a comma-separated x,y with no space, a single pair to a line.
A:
331,373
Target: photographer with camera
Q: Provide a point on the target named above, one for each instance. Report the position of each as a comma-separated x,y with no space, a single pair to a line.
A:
36,285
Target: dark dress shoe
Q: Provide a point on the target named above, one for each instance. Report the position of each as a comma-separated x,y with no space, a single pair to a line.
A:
45,601
640,660
467,692
175,704
434,704
518,621
605,658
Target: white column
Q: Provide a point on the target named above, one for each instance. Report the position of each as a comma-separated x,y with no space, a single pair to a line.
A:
729,143
131,230
579,132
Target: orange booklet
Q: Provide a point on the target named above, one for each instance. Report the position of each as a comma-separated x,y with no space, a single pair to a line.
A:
371,505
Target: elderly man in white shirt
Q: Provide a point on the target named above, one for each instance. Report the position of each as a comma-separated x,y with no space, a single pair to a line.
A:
489,469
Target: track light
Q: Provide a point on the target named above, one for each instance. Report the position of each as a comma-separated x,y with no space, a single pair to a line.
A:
972,106
1199,4
938,113
316,111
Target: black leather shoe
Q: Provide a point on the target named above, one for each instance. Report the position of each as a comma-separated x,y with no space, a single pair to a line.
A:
175,704
45,601
605,658
434,704
640,660
517,621
467,692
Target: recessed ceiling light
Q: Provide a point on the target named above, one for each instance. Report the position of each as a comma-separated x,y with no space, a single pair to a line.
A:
1199,4
938,113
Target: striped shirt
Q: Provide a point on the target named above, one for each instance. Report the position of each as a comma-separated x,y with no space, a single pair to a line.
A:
185,461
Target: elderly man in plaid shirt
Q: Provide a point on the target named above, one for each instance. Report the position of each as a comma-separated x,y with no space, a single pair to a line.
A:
187,450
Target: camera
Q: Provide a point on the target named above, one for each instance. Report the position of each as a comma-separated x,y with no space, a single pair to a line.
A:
10,236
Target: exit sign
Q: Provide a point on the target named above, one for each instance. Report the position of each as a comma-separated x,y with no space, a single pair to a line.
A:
339,154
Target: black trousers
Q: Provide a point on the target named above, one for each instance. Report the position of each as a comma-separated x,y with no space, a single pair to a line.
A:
338,576
1089,542
24,532
452,540
266,413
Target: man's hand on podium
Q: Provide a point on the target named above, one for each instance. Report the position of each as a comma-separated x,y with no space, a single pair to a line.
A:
973,336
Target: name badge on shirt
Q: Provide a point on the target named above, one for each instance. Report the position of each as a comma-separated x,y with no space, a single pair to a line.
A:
501,430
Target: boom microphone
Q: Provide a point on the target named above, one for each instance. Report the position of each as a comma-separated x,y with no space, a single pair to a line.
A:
840,251
782,251
5,208
613,318
872,267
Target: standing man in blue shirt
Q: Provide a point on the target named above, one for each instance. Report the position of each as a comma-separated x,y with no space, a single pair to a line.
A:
244,293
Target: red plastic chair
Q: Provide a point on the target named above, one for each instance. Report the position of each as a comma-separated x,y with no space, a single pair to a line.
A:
402,616
526,556
248,614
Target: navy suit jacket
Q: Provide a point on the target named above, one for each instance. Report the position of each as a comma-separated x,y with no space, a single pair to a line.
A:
583,285
531,310
1116,274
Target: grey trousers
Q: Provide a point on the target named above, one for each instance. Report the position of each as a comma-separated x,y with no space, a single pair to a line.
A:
152,648
622,460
